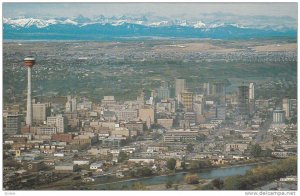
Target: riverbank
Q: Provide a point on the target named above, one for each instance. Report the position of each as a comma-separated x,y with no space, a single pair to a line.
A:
160,180
177,177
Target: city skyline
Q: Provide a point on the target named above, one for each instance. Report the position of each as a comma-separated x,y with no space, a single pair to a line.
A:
150,96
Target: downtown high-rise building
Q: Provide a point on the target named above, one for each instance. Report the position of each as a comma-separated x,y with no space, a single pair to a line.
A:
243,100
40,111
286,106
57,121
252,91
187,100
163,92
179,88
13,124
278,116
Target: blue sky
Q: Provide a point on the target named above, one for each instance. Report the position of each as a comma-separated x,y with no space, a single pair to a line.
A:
182,10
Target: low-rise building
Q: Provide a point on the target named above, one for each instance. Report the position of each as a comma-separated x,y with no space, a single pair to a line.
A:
81,162
64,168
96,165
166,123
235,147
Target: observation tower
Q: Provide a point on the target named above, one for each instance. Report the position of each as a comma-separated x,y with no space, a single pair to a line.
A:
29,62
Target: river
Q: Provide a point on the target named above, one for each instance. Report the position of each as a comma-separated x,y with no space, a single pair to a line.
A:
178,177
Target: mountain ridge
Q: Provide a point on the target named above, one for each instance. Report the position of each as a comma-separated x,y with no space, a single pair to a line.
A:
113,28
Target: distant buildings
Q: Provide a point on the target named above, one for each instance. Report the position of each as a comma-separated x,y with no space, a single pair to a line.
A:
164,91
127,114
243,100
278,116
252,91
13,124
108,100
147,114
289,106
40,111
166,123
218,89
187,100
58,121
180,136
179,88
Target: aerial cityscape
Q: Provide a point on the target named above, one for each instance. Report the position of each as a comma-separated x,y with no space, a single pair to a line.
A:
111,96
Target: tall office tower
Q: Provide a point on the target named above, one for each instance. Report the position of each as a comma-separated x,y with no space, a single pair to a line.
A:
40,111
198,104
141,98
179,88
286,106
164,91
146,114
29,62
221,112
13,124
243,100
58,121
74,104
187,100
68,106
218,88
207,88
251,91
278,116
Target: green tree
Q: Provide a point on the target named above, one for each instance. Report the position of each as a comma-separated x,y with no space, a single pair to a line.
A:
171,163
138,186
191,179
122,157
232,183
266,153
218,183
169,184
200,164
190,147
256,150
145,171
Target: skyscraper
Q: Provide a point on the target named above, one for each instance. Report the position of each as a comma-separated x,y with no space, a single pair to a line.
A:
29,62
286,106
58,121
251,91
163,92
74,104
278,116
40,111
187,100
13,124
243,100
179,88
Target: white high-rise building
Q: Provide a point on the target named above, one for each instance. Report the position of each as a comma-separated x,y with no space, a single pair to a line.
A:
69,106
74,104
251,91
286,106
57,121
278,116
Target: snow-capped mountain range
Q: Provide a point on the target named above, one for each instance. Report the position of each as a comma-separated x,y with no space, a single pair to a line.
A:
81,21
16,28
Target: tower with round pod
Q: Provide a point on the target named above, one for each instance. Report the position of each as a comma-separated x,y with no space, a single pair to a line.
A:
29,62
